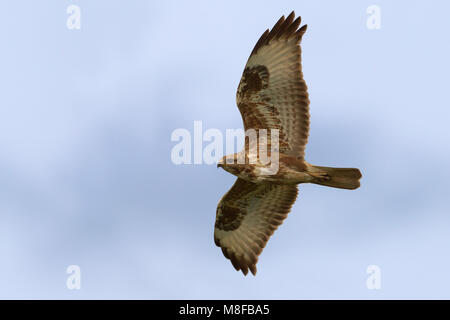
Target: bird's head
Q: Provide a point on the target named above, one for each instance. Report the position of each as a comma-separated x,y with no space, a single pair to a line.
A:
231,164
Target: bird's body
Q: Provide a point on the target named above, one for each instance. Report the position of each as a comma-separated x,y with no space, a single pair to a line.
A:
290,171
271,95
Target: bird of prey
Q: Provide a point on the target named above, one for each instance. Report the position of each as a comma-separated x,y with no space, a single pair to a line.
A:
271,95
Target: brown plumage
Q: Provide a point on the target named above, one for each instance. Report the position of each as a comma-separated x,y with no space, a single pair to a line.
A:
271,95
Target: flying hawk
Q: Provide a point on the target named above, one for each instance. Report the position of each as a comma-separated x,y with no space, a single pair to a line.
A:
271,95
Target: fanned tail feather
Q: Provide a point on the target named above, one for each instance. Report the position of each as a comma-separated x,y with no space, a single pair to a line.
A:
343,178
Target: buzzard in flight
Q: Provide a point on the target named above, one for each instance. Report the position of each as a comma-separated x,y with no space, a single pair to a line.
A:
271,95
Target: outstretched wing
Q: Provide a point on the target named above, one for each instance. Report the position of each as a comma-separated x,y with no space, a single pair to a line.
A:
247,216
272,93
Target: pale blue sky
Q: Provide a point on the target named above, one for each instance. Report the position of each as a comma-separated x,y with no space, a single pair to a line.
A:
85,171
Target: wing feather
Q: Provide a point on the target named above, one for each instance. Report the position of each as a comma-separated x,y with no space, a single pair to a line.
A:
247,216
272,93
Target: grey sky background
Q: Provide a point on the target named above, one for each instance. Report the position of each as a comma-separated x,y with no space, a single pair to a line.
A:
86,176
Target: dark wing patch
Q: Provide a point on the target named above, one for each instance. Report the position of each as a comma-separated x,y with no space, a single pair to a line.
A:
229,218
254,80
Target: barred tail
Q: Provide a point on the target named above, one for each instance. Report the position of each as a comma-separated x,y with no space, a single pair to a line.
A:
344,178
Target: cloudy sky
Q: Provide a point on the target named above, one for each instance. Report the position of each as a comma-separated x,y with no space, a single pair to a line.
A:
86,176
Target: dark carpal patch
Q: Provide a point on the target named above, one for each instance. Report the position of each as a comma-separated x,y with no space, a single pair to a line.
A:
254,79
229,218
